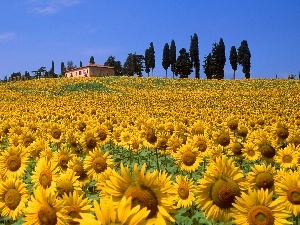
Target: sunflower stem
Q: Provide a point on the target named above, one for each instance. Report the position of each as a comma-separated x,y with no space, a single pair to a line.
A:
296,220
157,159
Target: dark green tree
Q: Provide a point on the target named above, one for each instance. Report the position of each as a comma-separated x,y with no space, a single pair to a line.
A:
92,60
118,68
151,57
208,66
183,64
134,65
166,58
194,53
172,57
27,75
62,69
147,62
80,64
113,63
219,59
70,65
233,60
244,57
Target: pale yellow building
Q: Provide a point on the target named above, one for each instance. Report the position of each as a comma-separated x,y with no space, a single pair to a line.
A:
91,70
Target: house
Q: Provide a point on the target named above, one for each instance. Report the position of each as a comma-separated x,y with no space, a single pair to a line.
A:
91,70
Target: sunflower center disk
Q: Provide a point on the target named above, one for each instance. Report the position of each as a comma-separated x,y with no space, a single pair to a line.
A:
91,142
260,215
267,151
293,195
27,141
188,158
264,180
282,132
102,135
13,163
202,146
65,186
99,165
78,169
144,197
233,124
237,148
63,161
56,133
47,215
223,139
73,212
45,178
287,158
183,191
150,137
12,198
224,191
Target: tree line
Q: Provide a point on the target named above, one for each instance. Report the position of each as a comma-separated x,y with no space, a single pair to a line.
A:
187,61
182,65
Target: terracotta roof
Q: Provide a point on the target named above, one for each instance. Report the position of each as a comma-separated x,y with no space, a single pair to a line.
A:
91,65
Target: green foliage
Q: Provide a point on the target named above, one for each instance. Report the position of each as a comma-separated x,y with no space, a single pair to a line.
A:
218,59
244,57
113,63
151,57
92,60
172,57
147,65
165,58
208,66
194,53
233,58
134,65
183,64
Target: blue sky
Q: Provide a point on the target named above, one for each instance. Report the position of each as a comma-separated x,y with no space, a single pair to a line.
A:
35,32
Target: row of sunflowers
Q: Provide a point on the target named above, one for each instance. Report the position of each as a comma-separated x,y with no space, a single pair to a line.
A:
121,150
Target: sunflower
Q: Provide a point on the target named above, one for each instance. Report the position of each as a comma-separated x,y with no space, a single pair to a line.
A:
280,131
144,190
218,188
261,176
103,134
72,141
102,178
45,174
76,164
126,137
250,151
62,157
288,190
97,162
13,197
263,140
149,137
13,161
45,208
75,206
201,142
174,143
89,141
188,158
198,128
13,139
184,191
68,183
235,149
257,207
38,146
56,133
26,138
294,137
222,137
124,214
288,157
232,123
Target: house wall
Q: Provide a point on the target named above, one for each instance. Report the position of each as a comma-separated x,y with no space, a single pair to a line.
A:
90,72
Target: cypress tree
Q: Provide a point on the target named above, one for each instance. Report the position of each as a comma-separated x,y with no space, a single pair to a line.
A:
218,59
166,58
172,57
233,60
244,57
147,62
184,64
208,66
151,57
194,53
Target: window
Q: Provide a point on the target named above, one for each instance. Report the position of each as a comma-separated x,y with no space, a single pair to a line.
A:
80,72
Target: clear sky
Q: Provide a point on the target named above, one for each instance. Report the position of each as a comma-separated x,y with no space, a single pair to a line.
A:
35,32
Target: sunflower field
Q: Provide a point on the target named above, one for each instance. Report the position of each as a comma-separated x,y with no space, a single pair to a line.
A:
130,150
